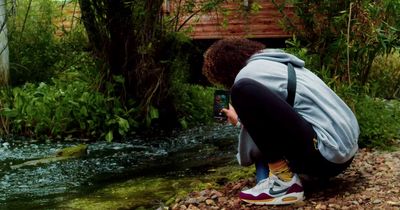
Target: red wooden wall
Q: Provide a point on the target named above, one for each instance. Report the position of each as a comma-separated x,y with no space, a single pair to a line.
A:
266,23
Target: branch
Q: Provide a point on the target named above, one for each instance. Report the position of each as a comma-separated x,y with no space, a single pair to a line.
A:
26,17
348,44
187,19
288,20
198,11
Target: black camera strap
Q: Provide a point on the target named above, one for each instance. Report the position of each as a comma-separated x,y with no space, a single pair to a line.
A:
291,86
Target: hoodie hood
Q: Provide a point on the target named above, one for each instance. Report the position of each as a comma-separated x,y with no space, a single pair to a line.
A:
279,56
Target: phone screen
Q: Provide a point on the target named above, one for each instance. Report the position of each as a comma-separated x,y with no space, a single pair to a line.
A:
221,100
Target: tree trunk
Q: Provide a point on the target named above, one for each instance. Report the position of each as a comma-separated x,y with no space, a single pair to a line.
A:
123,46
127,35
4,57
97,38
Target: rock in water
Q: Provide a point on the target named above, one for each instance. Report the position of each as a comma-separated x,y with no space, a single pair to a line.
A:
65,153
74,151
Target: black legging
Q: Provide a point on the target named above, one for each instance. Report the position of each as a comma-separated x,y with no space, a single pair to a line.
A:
279,131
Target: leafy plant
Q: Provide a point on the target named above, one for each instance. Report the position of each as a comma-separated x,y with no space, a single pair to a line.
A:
347,35
386,73
68,106
37,53
379,122
32,45
193,104
295,47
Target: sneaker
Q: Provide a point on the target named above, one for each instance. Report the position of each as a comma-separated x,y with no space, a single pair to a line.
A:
273,191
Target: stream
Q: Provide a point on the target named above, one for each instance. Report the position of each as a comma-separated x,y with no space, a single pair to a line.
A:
135,165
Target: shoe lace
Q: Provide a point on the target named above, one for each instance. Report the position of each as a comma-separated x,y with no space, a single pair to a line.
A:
261,185
271,181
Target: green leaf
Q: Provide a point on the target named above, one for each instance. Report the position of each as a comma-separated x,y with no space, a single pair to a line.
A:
109,136
123,125
120,79
153,113
255,7
183,123
9,112
84,111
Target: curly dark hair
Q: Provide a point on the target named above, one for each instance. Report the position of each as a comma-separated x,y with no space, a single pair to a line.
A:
226,57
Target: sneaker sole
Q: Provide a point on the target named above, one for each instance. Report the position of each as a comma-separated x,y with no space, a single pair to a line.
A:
286,199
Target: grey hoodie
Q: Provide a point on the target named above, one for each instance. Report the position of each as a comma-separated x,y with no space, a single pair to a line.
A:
333,121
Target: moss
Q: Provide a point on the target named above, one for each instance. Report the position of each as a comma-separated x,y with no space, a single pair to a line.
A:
147,192
132,194
234,173
73,151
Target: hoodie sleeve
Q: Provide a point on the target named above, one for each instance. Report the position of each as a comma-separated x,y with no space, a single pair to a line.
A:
248,152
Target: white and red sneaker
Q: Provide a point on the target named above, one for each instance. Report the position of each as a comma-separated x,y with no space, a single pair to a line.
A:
273,191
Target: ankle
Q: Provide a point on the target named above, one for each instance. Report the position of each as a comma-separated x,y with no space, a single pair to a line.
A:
281,170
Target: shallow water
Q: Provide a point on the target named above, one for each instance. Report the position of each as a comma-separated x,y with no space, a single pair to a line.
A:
136,160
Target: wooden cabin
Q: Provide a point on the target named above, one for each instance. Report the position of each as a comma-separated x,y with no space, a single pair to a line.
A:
238,20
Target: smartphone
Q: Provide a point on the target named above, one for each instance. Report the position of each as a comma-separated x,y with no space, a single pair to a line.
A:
221,100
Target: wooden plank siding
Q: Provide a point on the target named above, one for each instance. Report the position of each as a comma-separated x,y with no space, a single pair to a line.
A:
71,14
266,23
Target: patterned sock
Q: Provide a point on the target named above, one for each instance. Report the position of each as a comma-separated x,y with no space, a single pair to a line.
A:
281,170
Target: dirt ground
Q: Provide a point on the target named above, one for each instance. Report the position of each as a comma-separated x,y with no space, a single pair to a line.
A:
371,182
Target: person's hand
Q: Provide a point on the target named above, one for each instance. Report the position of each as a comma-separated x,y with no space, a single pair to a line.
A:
231,115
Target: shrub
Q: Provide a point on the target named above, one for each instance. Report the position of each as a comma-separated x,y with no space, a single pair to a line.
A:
32,45
386,73
67,106
35,50
193,104
379,122
347,35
